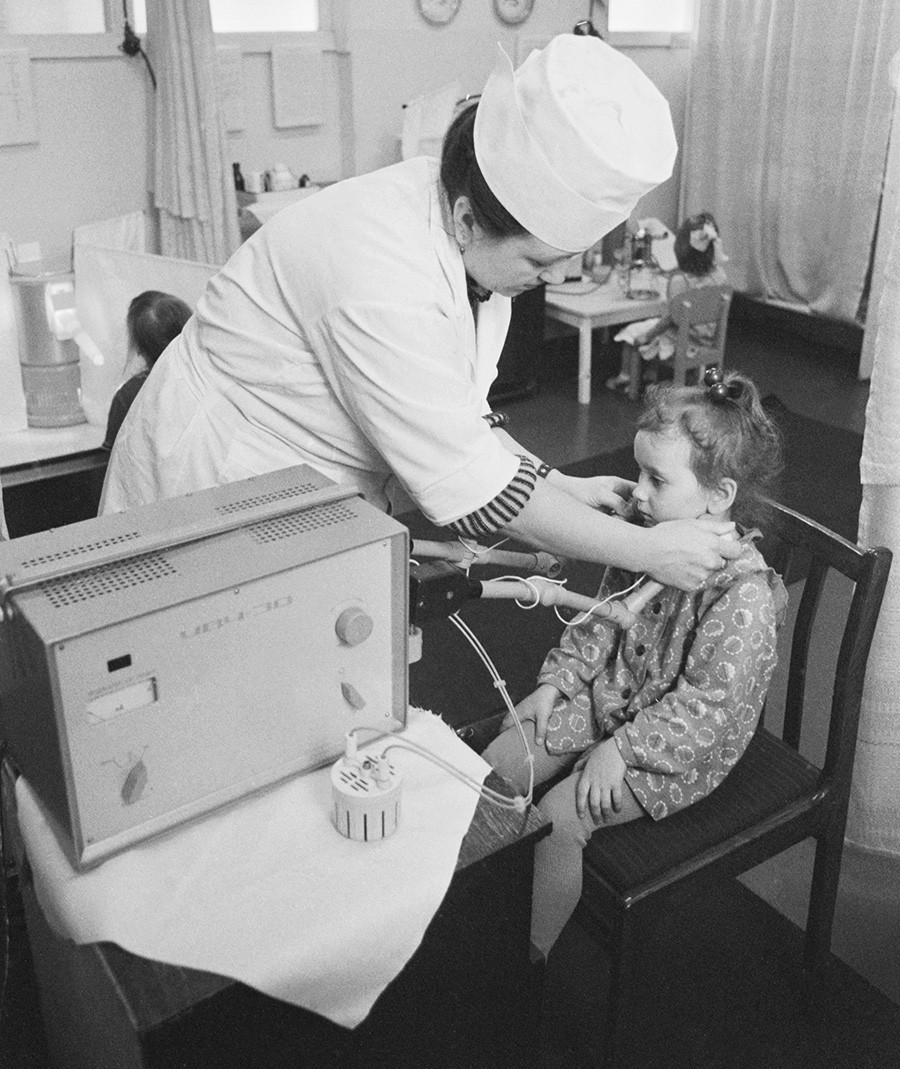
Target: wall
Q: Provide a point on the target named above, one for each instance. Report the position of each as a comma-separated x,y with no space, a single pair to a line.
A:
94,114
426,57
91,160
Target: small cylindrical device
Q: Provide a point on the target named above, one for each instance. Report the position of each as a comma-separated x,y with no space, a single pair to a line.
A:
366,796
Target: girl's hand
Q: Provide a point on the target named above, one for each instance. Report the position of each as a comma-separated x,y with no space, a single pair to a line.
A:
537,707
599,786
608,493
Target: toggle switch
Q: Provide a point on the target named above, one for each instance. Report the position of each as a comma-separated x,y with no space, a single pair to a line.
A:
134,784
352,695
353,626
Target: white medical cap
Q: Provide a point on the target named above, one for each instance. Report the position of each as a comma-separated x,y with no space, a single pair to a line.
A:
570,141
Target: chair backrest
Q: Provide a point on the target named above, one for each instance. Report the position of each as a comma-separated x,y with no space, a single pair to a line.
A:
705,304
806,553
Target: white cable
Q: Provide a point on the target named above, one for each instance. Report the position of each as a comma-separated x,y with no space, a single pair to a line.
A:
588,613
500,684
519,803
478,550
530,584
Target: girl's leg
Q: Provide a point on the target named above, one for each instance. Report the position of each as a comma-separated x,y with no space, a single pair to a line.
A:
506,755
557,859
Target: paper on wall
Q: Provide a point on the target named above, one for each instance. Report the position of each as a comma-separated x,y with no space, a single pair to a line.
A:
425,121
18,125
297,82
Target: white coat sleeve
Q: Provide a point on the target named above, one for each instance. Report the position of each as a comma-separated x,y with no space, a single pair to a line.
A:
405,378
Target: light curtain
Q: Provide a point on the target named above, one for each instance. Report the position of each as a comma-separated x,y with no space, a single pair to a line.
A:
874,816
193,183
785,141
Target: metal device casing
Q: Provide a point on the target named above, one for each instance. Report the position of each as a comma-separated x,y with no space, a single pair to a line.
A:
170,660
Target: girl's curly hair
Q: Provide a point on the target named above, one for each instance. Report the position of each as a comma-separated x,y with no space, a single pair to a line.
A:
731,438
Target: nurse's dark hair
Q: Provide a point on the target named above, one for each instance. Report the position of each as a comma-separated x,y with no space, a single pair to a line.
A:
732,437
154,318
461,177
695,261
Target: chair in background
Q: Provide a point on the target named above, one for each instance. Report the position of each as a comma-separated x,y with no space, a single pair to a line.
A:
697,307
774,797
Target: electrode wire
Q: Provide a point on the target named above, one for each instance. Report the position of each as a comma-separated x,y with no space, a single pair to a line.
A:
502,800
500,685
520,802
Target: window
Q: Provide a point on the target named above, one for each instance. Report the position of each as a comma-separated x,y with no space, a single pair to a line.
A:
649,21
53,16
57,29
251,16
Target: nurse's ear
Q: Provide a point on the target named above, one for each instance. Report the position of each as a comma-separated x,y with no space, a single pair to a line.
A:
463,222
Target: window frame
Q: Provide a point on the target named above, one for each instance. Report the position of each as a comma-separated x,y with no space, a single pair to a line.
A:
106,45
648,38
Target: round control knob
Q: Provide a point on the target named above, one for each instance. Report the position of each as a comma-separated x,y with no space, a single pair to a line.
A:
353,626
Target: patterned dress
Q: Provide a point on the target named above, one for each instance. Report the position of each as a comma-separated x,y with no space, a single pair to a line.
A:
681,691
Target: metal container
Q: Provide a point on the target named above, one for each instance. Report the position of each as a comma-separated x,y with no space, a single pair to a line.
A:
51,371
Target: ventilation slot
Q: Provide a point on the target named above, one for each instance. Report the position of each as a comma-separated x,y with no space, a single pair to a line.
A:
299,522
107,579
78,551
264,499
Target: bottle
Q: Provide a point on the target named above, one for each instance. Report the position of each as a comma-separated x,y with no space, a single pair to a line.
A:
238,177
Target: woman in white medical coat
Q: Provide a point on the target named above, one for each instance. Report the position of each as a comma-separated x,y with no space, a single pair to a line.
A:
359,330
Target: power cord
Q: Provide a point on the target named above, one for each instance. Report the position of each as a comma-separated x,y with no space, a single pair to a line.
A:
131,45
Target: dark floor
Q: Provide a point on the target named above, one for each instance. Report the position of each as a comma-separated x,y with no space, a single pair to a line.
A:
811,378
814,380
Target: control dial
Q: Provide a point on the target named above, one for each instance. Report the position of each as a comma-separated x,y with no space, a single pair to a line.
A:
354,625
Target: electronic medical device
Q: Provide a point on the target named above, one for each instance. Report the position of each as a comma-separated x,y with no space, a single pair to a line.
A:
160,663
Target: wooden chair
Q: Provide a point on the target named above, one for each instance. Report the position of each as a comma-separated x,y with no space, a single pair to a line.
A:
705,304
774,797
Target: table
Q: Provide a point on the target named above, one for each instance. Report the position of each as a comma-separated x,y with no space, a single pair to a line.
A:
38,445
52,476
604,306
467,996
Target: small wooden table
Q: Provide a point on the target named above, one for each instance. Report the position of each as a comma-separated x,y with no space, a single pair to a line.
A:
603,306
468,996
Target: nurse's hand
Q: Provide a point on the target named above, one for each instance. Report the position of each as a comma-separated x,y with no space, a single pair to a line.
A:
683,553
608,493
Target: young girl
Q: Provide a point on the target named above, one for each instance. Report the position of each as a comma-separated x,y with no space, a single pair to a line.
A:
698,251
154,319
649,720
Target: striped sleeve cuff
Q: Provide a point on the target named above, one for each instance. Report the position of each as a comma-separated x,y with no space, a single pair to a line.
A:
503,508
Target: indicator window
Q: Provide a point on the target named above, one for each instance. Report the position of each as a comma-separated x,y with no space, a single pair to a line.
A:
119,662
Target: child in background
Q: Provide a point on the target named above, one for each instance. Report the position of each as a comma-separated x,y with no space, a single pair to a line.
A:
154,319
698,251
650,720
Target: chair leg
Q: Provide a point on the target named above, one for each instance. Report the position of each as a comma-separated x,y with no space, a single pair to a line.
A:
823,899
631,366
622,949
